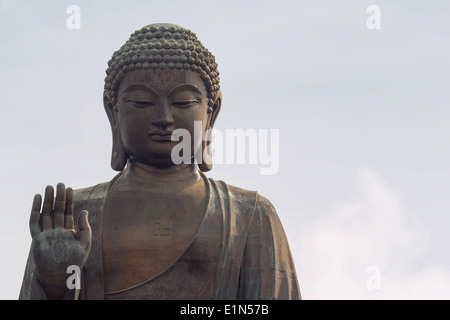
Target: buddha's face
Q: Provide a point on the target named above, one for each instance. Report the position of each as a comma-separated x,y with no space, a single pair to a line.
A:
151,104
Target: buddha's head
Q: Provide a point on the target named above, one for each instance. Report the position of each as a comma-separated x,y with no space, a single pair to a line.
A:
162,79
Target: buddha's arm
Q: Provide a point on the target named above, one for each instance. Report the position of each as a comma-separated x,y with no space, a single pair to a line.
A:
267,270
31,288
56,245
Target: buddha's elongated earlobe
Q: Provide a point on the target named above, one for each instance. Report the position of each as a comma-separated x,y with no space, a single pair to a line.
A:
118,156
206,163
214,106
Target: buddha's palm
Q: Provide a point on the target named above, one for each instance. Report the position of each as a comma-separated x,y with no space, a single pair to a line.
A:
56,244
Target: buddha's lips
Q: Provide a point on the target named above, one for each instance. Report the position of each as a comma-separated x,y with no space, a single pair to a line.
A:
161,135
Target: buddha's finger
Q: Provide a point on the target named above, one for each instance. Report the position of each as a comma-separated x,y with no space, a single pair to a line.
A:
35,228
47,209
68,215
85,233
60,204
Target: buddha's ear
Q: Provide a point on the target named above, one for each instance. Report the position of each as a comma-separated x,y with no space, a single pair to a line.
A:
118,156
206,162
213,111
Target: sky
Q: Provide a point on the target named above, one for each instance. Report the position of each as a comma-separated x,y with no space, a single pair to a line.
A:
362,114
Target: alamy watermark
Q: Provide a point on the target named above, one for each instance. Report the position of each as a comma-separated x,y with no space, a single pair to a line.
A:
74,280
373,22
236,146
73,21
373,281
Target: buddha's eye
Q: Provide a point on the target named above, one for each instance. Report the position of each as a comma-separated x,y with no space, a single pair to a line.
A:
140,103
185,104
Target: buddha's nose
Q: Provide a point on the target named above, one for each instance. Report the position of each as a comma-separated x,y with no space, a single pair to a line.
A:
162,116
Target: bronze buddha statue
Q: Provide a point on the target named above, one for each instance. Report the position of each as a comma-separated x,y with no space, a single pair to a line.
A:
159,230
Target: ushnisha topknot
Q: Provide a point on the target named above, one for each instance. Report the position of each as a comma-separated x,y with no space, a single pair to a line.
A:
162,46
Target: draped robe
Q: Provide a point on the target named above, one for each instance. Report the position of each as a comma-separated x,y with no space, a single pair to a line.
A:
240,251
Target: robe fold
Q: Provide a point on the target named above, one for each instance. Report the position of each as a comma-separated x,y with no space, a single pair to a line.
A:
240,251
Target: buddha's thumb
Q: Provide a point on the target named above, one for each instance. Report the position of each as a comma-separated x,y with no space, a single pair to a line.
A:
85,234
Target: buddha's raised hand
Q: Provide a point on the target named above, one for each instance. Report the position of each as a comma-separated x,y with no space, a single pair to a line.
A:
56,244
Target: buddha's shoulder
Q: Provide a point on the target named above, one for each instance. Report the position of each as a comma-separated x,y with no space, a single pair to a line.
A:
97,191
240,195
226,191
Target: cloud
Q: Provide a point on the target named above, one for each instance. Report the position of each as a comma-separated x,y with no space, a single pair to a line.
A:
368,248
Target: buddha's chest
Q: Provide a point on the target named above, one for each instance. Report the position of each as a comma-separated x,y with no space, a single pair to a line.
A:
144,233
